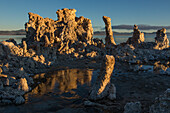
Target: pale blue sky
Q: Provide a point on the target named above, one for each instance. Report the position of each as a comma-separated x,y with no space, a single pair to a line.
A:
14,13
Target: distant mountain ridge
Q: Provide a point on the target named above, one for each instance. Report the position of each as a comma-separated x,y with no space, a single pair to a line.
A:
130,27
142,27
14,32
97,29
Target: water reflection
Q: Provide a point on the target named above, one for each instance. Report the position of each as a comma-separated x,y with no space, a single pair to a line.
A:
61,82
17,38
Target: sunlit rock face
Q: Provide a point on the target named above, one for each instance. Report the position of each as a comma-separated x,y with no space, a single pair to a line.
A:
137,38
161,39
109,40
67,27
103,88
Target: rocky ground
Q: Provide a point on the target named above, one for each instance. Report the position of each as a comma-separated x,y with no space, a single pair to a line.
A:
140,71
131,86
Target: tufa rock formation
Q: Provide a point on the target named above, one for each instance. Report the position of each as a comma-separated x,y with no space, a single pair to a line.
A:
161,39
67,27
137,37
109,40
23,85
103,88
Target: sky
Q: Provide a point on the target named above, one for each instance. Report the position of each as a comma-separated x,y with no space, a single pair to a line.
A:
14,13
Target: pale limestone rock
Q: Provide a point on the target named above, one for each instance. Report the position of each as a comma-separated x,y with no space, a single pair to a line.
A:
109,40
132,107
103,88
137,38
161,39
23,85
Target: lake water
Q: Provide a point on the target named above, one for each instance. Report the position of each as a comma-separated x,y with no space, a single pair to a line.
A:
17,38
118,38
123,38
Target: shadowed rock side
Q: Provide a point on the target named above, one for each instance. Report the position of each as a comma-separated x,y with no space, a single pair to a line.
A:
137,37
68,27
109,40
161,39
132,107
162,103
103,88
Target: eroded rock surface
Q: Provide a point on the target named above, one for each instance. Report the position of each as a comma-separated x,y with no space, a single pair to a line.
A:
67,27
161,39
137,38
109,40
103,88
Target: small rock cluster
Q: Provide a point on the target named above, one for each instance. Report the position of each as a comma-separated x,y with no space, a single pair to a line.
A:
137,38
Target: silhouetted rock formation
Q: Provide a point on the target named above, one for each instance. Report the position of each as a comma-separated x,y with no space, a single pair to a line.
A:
103,88
137,37
161,39
109,40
